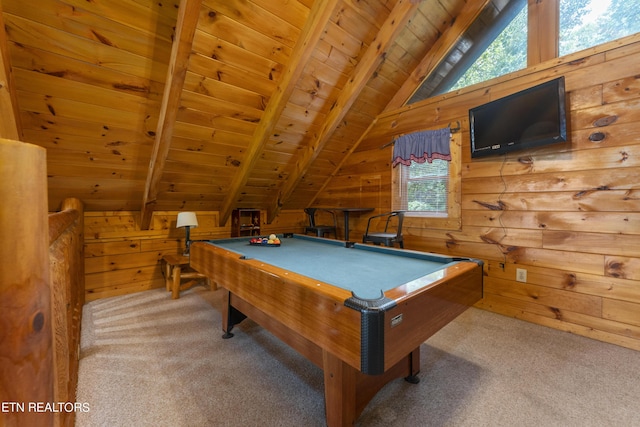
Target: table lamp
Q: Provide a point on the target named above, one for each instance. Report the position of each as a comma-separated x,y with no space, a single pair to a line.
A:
187,220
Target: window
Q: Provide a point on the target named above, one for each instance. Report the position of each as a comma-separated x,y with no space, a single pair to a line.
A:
587,23
507,53
423,187
496,43
430,192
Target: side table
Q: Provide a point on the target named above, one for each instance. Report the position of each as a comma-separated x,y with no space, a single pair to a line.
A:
176,268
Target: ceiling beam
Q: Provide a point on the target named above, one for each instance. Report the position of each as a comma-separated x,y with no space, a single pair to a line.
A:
371,60
186,23
9,119
429,62
317,20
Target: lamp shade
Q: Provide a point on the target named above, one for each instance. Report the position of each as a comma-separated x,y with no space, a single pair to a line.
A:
187,219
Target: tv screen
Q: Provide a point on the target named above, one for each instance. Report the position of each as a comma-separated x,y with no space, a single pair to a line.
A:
530,118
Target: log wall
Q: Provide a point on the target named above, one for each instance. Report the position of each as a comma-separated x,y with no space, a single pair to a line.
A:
569,214
121,259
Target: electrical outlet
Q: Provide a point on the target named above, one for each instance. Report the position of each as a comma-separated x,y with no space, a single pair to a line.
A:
521,275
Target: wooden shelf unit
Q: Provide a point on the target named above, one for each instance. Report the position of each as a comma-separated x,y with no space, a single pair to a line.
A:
245,222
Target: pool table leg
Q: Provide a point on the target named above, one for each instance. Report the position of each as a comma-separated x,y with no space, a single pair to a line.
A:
414,367
347,391
231,316
340,381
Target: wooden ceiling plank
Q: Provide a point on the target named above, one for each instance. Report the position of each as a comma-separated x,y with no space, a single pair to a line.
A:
154,18
84,23
251,15
34,84
223,27
231,75
9,119
224,92
236,56
91,131
41,37
370,62
318,18
72,69
292,12
205,126
79,111
188,14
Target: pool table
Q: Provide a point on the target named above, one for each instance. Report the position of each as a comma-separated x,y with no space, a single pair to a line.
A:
360,312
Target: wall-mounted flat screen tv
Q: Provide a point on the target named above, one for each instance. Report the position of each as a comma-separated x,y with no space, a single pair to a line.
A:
530,118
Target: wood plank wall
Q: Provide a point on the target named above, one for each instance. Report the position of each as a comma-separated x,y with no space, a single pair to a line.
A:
121,259
570,213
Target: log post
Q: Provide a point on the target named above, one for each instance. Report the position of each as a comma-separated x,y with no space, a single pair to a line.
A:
26,355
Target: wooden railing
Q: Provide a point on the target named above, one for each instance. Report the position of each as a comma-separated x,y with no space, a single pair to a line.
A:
41,293
66,266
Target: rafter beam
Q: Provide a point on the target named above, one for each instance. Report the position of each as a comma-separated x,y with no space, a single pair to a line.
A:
319,16
429,62
9,119
187,21
371,60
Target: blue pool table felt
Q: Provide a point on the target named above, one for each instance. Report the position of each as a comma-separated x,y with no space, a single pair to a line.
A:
364,270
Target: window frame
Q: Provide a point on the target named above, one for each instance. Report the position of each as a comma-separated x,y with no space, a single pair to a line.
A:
424,219
403,180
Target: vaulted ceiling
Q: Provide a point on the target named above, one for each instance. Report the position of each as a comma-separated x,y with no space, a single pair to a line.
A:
213,104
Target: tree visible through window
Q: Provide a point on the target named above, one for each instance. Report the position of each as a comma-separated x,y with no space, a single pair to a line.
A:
583,24
507,53
424,187
588,23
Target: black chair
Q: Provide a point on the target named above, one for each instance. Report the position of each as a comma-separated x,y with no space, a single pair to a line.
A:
388,237
320,230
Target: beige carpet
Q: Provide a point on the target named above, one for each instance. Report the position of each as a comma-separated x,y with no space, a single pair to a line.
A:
147,360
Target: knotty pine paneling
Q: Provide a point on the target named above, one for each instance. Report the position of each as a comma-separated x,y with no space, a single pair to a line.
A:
271,26
568,213
621,311
587,200
554,181
588,284
57,41
565,320
622,267
120,258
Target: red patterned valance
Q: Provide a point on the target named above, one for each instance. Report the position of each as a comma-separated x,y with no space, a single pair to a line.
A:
422,147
